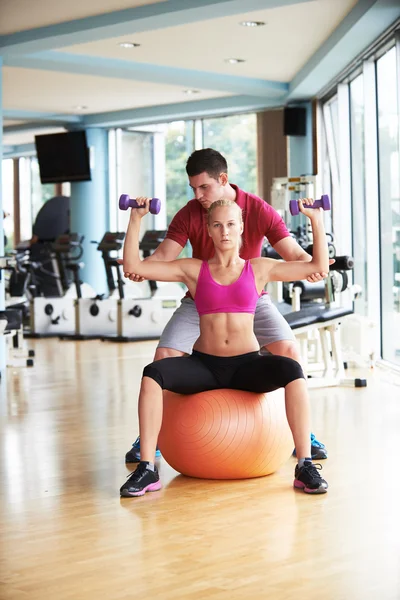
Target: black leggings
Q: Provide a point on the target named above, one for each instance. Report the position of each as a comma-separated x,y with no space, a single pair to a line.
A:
200,372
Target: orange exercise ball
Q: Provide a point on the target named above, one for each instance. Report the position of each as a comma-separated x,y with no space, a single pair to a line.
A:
225,434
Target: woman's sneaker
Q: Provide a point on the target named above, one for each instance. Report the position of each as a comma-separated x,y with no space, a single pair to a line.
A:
142,480
309,480
133,455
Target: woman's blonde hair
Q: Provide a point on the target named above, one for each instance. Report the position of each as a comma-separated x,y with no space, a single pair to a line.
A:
224,202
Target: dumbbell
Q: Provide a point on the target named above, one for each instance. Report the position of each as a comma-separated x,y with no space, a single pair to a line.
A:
126,202
323,202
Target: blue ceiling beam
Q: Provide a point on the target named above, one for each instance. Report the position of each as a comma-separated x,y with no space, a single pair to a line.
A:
33,126
180,111
125,69
216,107
19,150
360,28
31,115
128,22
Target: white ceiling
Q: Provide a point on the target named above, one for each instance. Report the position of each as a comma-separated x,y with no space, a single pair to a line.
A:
276,51
106,78
52,92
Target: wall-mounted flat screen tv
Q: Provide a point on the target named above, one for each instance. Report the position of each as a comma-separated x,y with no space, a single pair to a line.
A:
63,157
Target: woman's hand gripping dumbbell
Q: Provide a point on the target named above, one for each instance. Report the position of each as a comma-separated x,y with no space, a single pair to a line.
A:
126,202
323,202
303,205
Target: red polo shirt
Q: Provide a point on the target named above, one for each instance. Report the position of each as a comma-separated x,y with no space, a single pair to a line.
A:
259,218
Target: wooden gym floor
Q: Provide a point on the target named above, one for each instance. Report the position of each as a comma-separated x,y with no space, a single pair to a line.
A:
65,425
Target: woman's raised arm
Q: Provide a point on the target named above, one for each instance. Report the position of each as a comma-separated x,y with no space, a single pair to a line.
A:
175,270
276,270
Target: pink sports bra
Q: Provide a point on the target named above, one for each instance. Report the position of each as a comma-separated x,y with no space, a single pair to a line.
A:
240,296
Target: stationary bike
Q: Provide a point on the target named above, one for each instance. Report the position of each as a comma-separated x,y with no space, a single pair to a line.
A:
145,318
51,311
52,290
96,316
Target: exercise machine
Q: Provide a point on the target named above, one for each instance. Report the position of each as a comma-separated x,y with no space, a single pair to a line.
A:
283,189
52,307
316,317
11,324
315,311
146,317
96,316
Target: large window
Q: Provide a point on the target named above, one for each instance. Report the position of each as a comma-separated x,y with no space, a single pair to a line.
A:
358,189
32,194
236,138
389,187
333,107
329,169
152,161
40,193
135,170
179,144
368,123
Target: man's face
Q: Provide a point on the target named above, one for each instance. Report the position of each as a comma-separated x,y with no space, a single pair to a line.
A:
206,189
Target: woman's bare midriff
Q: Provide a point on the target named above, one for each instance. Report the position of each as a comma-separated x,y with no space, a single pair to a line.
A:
226,334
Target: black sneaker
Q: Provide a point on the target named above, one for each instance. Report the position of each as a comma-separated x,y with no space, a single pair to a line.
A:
318,450
133,455
142,480
309,480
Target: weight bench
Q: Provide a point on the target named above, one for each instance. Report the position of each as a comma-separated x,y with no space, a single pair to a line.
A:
325,349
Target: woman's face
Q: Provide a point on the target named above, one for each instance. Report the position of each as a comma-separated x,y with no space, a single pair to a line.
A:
225,227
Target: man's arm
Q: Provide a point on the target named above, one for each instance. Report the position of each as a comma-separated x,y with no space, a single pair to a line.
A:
166,251
290,250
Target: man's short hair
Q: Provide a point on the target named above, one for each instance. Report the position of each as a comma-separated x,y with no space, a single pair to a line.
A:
206,160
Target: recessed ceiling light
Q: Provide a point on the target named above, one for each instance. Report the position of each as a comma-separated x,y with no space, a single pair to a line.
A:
234,61
252,23
128,45
190,92
80,107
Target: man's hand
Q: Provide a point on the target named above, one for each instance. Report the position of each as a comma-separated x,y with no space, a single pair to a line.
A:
133,277
315,277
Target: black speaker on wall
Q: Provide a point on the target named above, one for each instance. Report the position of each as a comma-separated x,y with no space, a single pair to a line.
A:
294,121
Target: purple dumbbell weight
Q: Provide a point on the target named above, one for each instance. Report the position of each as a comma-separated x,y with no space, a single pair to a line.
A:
323,202
126,202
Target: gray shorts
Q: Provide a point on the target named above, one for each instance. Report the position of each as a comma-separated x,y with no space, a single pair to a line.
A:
182,330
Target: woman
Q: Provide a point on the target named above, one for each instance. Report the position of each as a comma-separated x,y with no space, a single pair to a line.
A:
226,355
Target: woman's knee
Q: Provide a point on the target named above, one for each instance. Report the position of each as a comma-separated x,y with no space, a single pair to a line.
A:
295,371
287,369
152,372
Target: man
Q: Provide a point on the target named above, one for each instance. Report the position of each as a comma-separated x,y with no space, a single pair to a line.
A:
208,177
